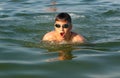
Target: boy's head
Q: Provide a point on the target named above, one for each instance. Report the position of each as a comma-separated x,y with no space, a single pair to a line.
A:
63,17
63,24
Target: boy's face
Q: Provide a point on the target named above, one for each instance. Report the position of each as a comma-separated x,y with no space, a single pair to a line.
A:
62,28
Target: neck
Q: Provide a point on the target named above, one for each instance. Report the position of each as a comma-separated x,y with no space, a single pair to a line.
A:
68,36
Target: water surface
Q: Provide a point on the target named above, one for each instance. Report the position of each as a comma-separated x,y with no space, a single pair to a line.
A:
24,22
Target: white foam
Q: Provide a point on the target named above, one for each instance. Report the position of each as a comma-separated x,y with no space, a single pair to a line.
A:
76,16
1,8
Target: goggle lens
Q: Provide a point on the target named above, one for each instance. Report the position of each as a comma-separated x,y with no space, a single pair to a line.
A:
64,26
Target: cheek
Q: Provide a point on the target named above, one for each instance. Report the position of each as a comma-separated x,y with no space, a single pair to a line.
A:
57,30
67,30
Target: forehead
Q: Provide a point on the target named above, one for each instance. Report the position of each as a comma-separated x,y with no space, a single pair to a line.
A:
61,22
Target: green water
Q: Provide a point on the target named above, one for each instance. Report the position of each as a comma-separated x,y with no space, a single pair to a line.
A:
24,22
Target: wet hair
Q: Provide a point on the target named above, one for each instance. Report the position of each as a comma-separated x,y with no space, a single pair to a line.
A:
63,17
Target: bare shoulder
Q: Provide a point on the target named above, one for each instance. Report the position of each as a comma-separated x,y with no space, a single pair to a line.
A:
78,38
48,36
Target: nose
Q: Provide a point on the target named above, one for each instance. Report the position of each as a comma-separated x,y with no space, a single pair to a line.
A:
61,28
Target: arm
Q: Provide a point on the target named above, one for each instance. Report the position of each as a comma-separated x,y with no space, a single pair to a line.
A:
48,36
78,38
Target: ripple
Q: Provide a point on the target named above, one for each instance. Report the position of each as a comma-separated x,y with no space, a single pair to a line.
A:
111,12
24,22
3,16
16,0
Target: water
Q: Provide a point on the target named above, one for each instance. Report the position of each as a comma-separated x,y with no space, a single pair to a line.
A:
24,22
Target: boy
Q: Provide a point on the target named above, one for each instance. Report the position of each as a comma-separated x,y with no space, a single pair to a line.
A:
62,31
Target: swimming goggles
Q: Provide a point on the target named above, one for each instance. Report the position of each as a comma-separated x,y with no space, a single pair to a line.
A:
63,26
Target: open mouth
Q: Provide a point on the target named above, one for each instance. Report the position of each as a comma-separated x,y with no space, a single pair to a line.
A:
62,34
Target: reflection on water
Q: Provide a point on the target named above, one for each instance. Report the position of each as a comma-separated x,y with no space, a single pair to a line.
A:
64,50
65,55
52,7
62,55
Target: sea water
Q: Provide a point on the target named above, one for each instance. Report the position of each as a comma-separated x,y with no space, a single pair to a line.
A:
24,22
